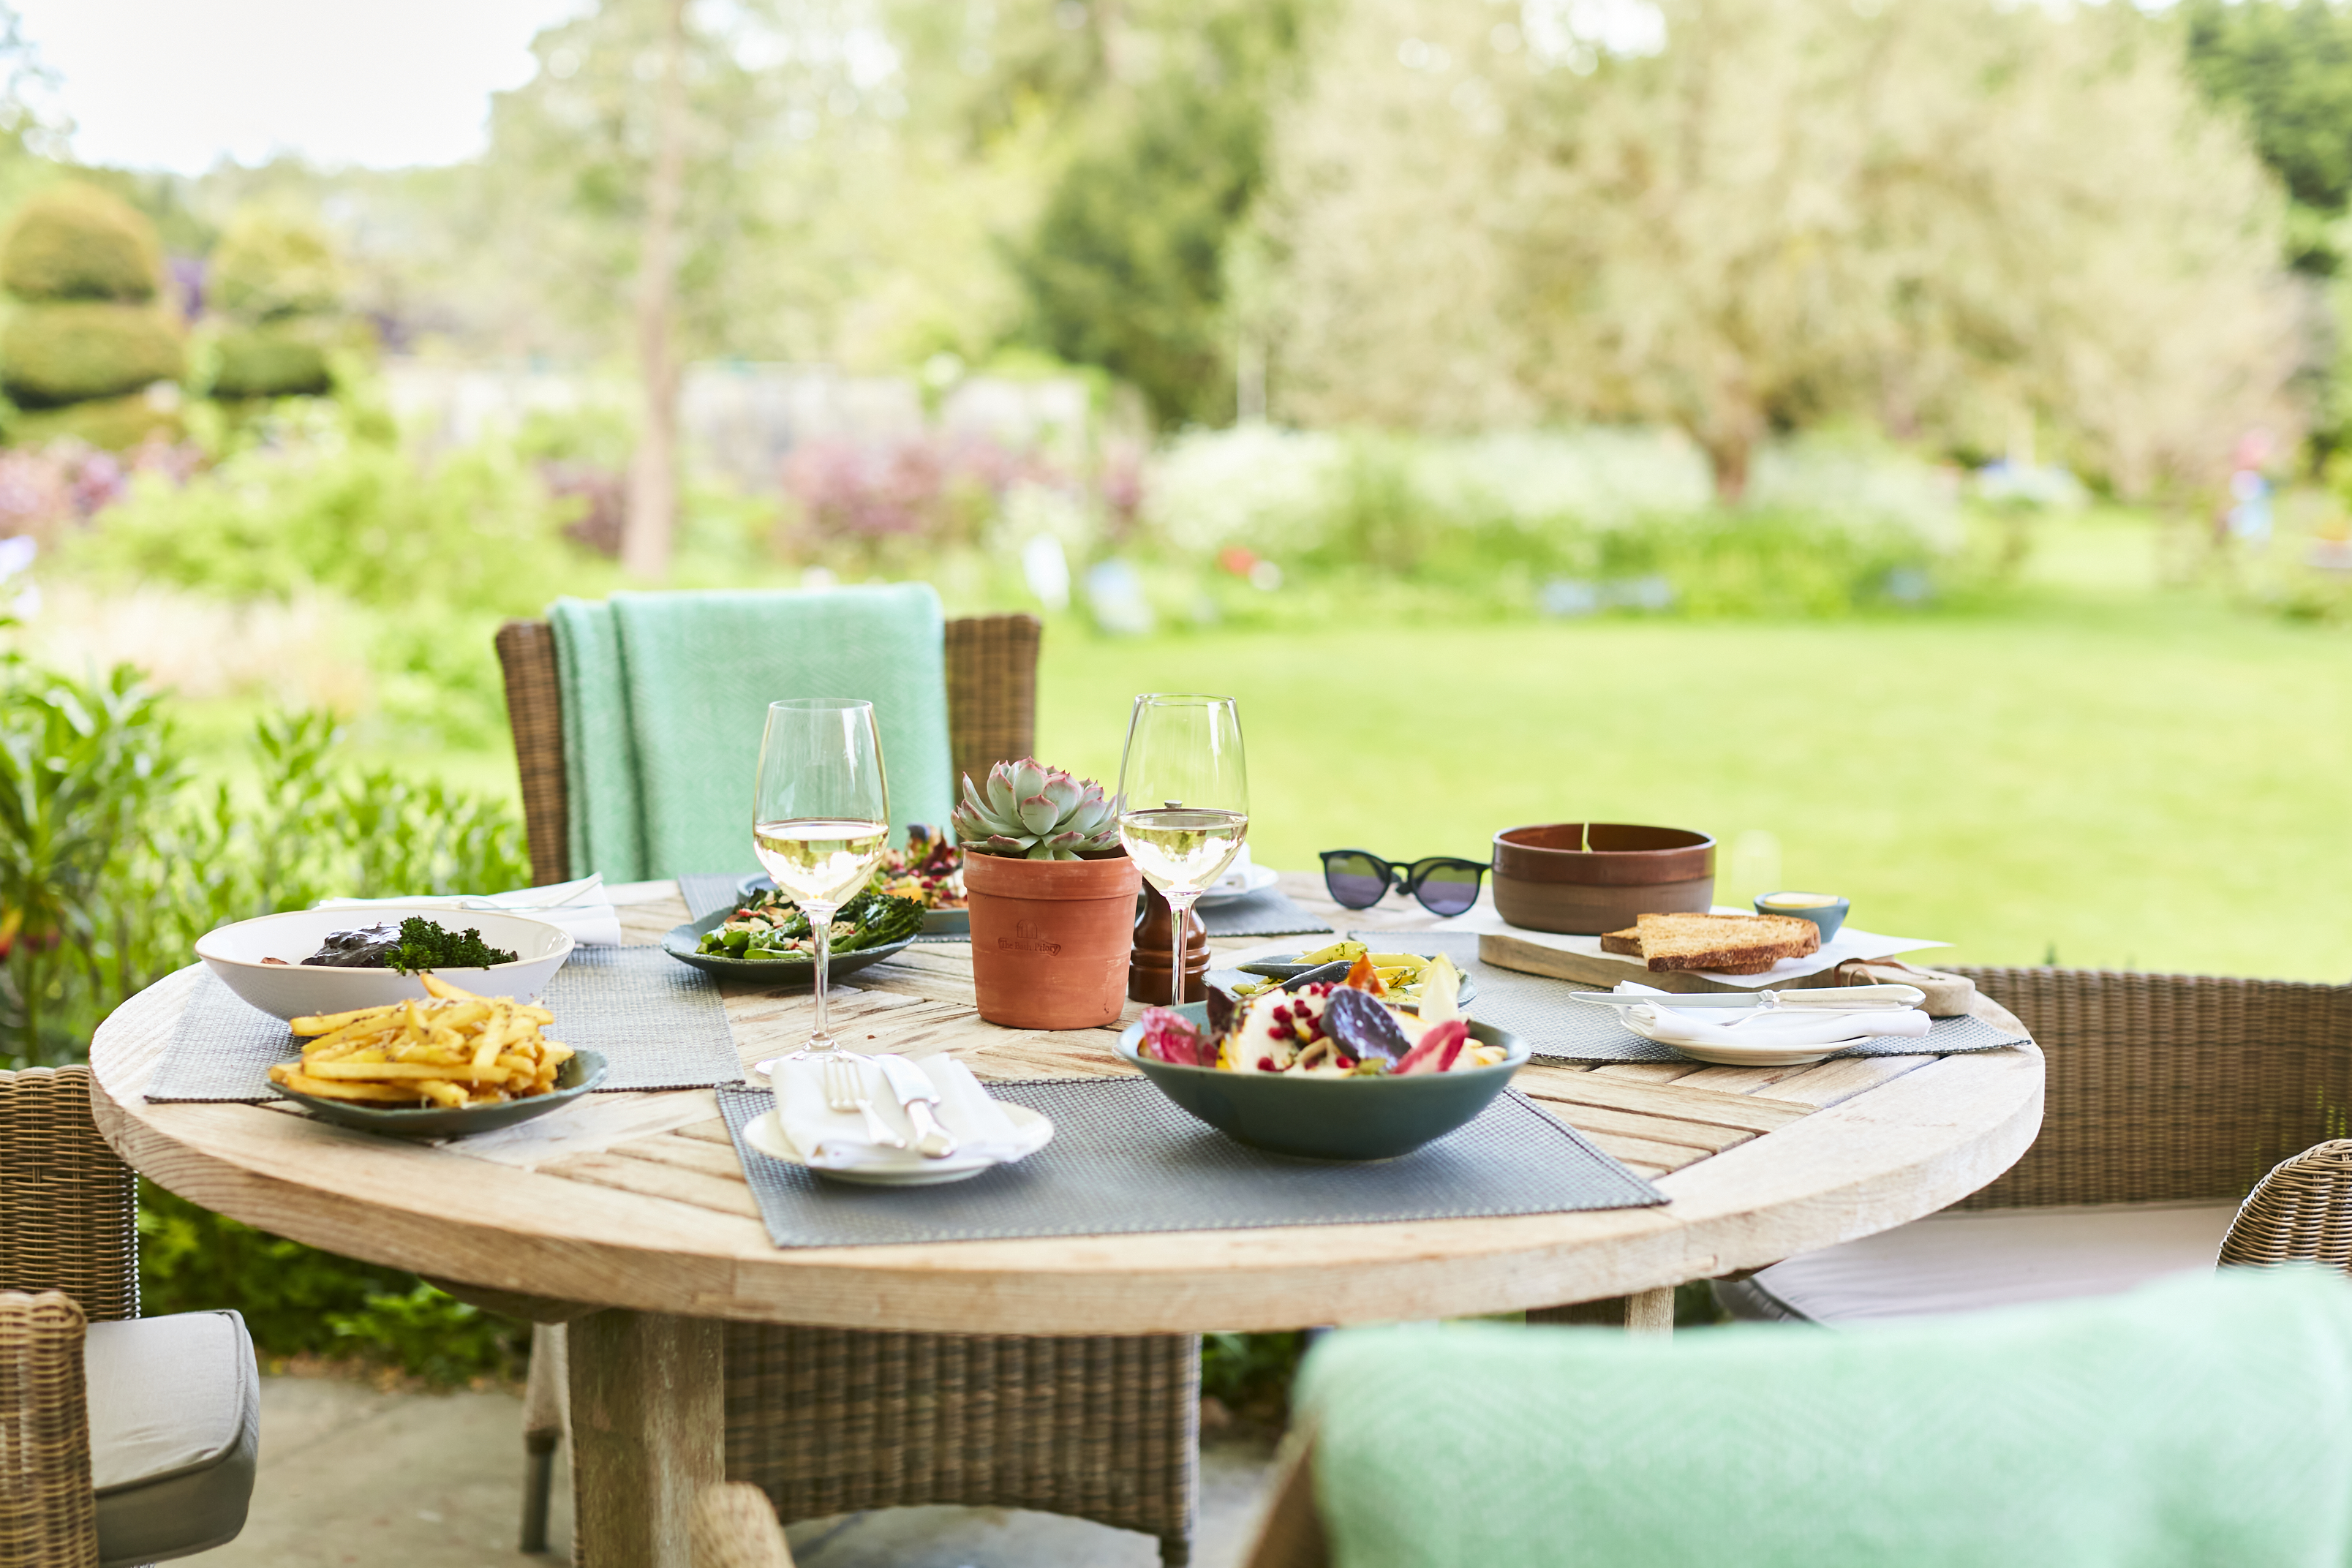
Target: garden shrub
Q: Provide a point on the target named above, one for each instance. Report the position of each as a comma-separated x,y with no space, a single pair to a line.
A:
75,241
271,265
65,353
120,424
269,362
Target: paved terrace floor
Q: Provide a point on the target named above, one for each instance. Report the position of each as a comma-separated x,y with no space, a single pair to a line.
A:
352,1477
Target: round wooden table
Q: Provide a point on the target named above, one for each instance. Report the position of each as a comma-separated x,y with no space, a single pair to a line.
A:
635,1203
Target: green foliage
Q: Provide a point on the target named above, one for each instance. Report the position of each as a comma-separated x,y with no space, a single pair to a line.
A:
1251,1373
474,530
2287,68
85,772
1126,266
75,241
269,362
273,264
53,354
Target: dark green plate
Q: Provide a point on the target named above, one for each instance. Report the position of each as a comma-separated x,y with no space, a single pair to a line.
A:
576,1077
1278,968
935,923
1331,1117
682,940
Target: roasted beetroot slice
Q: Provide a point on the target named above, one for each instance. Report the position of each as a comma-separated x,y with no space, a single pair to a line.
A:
1364,1028
1441,1044
1225,1012
1169,1037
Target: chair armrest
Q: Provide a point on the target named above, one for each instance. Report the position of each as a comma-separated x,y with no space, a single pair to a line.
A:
49,1514
2300,1212
734,1527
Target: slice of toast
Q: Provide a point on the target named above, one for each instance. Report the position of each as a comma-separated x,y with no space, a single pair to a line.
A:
1728,944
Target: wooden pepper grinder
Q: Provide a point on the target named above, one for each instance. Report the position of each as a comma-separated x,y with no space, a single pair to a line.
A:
1147,972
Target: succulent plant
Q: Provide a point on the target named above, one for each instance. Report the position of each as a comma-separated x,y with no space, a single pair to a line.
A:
1029,811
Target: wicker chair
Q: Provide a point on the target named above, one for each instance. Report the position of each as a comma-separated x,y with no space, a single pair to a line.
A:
104,1463
835,1420
2179,1089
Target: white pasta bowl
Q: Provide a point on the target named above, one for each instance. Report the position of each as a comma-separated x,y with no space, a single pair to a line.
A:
292,989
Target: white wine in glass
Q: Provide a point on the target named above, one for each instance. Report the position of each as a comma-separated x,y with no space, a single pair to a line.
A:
1183,799
820,819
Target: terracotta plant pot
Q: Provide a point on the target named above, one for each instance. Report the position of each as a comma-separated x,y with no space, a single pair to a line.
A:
1598,877
1050,939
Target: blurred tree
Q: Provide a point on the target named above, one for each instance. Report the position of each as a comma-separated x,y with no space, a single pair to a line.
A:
1947,216
2287,68
1125,266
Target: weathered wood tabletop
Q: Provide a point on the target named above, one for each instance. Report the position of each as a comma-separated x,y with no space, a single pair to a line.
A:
637,1201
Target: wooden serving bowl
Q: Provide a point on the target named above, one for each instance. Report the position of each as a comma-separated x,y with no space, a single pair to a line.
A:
1589,878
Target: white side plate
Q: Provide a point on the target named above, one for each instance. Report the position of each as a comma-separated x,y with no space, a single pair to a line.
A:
766,1133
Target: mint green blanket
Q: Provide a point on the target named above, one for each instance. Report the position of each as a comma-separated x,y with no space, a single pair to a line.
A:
2207,1421
664,696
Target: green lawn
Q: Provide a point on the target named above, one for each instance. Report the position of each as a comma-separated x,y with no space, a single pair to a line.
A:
2098,769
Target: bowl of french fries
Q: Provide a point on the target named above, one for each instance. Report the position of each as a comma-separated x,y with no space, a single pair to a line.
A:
451,1064
262,960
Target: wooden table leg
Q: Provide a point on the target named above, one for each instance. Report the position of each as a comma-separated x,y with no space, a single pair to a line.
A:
648,1433
1649,1312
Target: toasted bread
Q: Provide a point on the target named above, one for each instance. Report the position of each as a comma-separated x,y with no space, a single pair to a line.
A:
1728,944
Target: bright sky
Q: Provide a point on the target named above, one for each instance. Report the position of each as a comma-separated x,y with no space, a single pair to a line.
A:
178,84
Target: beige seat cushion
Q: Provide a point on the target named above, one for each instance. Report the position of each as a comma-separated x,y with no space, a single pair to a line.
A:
175,1431
1967,1260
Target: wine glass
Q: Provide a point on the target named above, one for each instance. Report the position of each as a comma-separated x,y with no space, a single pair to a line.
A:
820,818
1183,799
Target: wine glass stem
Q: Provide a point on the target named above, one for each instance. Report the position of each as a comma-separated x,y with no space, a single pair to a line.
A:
1180,909
821,927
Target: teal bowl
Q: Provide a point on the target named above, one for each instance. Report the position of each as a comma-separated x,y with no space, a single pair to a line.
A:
1330,1118
1829,917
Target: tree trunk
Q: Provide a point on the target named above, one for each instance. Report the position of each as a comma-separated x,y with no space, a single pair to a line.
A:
1728,453
652,475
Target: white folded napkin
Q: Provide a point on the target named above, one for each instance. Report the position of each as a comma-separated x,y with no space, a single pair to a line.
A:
1775,1026
582,907
832,1140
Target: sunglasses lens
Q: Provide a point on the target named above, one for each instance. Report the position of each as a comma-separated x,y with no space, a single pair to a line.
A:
1355,881
1448,890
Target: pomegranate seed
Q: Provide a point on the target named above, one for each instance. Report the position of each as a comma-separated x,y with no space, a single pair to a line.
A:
1265,1064
1281,1013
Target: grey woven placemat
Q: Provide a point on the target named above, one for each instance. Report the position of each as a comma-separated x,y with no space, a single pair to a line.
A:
1272,912
1542,1012
1126,1161
659,1024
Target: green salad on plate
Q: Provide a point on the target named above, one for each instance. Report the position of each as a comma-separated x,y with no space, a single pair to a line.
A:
770,925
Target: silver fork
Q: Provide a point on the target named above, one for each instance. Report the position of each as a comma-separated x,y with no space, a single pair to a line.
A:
845,1089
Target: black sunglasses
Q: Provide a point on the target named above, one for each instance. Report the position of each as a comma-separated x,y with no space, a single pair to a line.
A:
1358,878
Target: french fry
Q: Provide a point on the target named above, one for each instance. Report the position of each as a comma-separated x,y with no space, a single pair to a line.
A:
452,1048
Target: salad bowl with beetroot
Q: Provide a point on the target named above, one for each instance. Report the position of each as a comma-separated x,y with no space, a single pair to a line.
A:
1330,1071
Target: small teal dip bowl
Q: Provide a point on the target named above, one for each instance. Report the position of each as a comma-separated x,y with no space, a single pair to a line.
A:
1829,914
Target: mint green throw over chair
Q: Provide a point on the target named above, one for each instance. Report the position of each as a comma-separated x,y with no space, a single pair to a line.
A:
2199,1421
664,696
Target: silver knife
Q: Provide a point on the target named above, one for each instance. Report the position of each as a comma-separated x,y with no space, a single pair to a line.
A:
912,1087
1826,996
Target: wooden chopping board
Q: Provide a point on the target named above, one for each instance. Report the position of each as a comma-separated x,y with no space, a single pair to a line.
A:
1534,953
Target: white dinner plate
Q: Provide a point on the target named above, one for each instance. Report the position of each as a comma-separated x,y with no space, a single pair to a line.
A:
1238,884
766,1133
